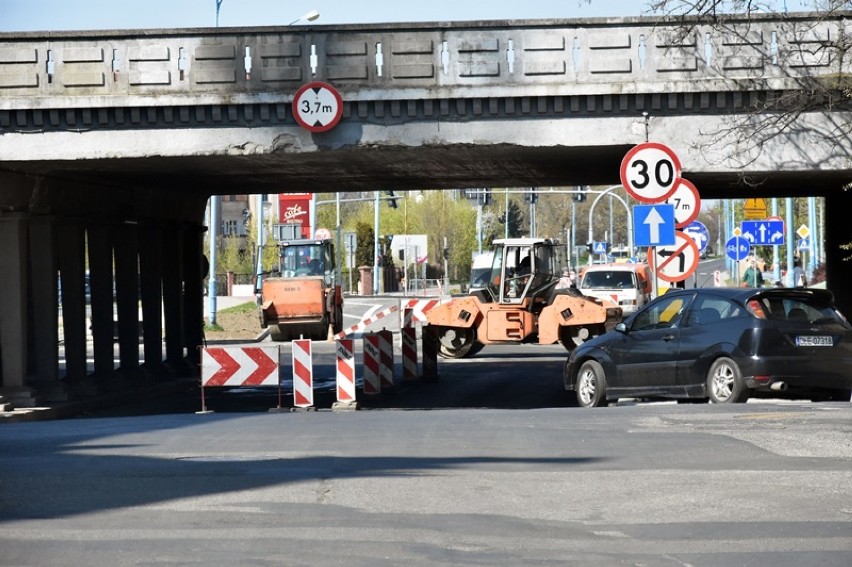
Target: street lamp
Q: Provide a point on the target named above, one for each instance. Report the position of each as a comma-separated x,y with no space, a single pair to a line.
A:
309,17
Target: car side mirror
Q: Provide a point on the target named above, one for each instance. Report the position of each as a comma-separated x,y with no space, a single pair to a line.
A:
621,328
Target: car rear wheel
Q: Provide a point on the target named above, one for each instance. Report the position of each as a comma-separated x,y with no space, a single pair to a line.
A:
725,383
591,385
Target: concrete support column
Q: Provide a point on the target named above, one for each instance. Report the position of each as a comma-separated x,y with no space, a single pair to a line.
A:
71,246
101,284
172,255
193,292
126,246
151,288
13,310
44,346
838,203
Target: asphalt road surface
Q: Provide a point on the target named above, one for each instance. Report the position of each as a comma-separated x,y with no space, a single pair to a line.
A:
485,467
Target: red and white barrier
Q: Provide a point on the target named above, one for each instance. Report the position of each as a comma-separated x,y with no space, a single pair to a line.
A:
372,362
303,374
345,371
419,308
386,358
366,322
239,366
409,346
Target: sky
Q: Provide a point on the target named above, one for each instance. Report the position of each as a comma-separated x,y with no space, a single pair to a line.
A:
54,15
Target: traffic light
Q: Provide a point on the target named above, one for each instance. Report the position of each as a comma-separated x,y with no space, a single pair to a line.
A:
483,197
531,197
391,199
446,253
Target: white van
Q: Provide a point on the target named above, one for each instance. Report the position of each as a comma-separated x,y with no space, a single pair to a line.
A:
480,269
628,285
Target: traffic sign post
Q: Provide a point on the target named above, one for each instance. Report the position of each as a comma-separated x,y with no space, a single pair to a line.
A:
676,262
763,232
699,233
317,106
654,225
737,248
686,202
650,172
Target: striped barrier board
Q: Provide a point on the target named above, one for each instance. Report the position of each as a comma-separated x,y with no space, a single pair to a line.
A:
303,374
386,358
345,371
372,357
419,307
366,322
409,346
239,366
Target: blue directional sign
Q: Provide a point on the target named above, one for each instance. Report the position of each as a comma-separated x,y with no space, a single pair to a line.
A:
737,248
599,247
763,232
654,225
699,233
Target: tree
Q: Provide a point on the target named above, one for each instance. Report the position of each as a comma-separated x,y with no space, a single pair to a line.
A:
364,245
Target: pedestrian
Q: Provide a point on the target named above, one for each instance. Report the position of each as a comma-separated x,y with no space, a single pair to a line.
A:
752,276
799,278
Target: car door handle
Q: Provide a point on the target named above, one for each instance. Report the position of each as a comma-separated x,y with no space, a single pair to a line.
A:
668,338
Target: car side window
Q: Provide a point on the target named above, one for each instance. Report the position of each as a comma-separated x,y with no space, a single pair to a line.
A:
709,310
663,314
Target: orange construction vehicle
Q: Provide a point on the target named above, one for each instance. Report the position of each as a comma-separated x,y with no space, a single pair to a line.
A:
303,297
520,304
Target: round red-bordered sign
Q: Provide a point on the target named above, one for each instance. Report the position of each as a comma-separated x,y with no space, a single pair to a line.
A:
650,172
677,262
686,203
317,106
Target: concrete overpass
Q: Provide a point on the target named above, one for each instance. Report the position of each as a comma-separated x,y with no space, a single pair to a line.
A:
111,143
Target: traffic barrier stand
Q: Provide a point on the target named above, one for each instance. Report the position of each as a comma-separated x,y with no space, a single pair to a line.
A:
430,353
372,361
303,375
386,359
345,376
238,366
420,307
366,322
409,346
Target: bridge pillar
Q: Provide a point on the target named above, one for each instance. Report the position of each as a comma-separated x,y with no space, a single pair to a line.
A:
100,246
44,334
172,254
839,270
126,249
193,297
14,272
71,248
151,289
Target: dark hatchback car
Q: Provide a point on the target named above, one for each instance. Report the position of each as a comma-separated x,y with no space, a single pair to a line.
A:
721,345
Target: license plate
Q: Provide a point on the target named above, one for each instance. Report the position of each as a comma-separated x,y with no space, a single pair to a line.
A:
814,341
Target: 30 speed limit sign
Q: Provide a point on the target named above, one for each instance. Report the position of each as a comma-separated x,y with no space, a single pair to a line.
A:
317,106
650,172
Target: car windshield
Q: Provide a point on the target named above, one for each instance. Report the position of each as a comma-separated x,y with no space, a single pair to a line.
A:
608,280
799,308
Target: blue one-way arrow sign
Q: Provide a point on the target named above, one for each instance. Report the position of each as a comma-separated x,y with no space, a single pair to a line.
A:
764,232
654,225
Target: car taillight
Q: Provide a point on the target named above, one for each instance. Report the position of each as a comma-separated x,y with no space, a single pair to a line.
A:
756,309
762,378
